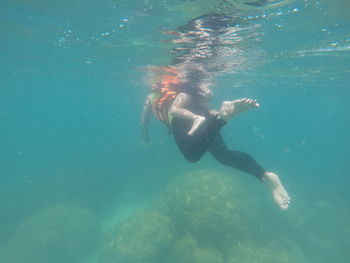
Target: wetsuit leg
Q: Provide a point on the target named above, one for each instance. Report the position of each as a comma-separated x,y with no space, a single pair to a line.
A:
194,146
236,159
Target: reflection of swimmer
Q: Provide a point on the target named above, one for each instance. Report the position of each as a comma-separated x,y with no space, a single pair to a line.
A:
258,3
207,137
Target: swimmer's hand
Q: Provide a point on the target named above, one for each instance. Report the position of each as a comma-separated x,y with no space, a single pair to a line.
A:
147,142
145,137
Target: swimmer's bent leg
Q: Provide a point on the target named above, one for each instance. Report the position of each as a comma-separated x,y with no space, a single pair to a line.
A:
194,146
235,159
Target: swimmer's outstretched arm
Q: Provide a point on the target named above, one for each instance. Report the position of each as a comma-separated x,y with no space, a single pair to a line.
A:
145,119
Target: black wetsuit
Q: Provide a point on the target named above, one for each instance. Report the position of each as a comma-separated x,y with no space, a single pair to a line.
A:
208,138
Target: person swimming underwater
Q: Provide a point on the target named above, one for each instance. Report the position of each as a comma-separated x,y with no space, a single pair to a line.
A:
207,136
195,127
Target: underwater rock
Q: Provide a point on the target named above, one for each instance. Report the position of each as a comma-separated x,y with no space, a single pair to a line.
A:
182,250
210,206
143,238
57,234
249,252
187,250
321,222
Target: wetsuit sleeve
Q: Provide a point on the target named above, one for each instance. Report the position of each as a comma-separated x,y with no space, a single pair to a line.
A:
145,119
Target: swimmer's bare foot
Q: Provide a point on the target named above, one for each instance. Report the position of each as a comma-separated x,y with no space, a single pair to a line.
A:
197,122
229,109
279,194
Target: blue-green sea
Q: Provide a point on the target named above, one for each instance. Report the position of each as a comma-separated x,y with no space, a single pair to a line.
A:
79,185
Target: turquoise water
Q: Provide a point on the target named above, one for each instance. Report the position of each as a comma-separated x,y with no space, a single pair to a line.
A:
71,95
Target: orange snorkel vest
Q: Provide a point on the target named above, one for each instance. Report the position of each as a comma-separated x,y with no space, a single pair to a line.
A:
167,90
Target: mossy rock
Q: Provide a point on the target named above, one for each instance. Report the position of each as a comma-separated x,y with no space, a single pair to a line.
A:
182,250
249,252
210,206
187,250
57,234
143,238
